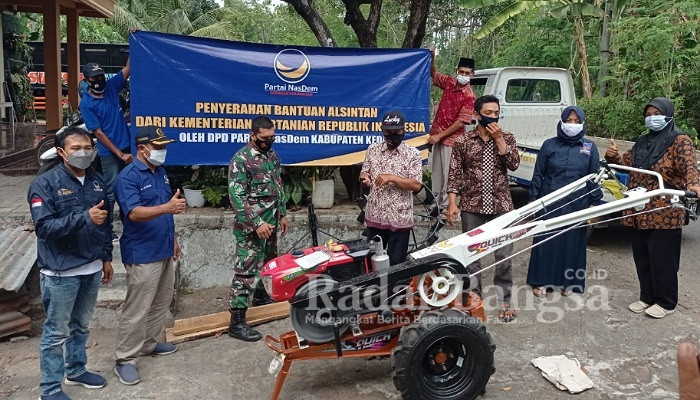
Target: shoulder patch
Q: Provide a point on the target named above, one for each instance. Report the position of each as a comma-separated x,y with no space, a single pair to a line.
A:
36,201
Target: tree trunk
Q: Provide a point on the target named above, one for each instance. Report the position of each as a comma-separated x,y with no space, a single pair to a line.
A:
416,24
365,29
604,49
308,12
581,47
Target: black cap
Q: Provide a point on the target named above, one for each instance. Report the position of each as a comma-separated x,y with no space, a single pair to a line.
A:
92,69
466,62
393,120
152,134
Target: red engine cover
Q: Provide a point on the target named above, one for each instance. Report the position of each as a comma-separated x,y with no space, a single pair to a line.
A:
287,276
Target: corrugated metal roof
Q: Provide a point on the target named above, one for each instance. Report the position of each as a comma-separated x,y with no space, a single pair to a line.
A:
17,256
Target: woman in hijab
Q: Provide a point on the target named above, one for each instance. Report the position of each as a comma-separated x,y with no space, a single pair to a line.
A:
560,262
656,243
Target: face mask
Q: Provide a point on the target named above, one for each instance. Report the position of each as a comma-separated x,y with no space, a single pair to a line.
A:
571,130
81,159
462,80
98,86
485,121
157,157
265,145
656,122
393,141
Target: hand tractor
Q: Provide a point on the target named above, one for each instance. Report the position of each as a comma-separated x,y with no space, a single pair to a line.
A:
346,301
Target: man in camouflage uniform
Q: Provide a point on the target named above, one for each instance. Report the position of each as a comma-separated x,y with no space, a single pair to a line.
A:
255,188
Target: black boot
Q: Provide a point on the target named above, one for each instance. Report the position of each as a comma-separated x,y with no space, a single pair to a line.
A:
260,297
239,329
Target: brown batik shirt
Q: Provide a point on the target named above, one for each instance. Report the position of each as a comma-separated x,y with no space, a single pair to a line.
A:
479,175
678,167
389,207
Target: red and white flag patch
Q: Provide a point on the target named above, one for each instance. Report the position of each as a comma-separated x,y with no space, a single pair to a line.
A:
36,201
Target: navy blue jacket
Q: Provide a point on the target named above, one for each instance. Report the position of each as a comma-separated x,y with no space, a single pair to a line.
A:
67,237
560,163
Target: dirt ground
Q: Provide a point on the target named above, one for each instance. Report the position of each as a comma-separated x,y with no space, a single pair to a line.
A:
627,356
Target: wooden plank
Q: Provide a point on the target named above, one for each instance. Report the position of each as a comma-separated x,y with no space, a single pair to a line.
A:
208,325
203,323
217,320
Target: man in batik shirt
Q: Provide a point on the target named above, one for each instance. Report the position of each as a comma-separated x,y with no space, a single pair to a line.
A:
479,175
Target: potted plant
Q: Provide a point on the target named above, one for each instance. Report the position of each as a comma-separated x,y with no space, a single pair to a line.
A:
193,189
215,190
297,185
208,185
323,194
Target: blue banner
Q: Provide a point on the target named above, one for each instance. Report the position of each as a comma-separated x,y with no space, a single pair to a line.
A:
326,102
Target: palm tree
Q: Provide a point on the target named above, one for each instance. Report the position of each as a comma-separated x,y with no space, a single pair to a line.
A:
578,9
169,16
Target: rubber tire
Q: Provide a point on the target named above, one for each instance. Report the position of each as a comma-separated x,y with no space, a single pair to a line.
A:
45,144
297,315
414,340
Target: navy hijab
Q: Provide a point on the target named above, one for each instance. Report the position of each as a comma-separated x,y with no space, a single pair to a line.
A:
571,140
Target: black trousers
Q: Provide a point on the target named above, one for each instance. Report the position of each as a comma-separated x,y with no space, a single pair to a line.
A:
396,243
657,255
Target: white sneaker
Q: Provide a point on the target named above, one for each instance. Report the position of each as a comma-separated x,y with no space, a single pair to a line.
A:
656,311
638,306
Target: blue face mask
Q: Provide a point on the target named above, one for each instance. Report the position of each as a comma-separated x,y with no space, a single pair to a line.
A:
656,122
485,121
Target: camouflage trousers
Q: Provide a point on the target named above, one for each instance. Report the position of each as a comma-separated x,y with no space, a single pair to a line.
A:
251,254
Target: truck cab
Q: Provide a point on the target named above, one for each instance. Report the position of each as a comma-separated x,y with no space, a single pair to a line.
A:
532,100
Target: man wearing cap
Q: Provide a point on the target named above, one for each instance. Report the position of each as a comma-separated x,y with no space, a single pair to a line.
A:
393,172
455,111
104,117
148,248
257,198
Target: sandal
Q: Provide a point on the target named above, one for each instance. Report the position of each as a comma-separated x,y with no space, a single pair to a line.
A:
566,293
507,314
540,291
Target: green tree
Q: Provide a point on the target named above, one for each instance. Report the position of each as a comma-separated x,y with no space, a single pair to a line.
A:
577,9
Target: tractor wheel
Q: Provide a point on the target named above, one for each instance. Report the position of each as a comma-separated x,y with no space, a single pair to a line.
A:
316,325
444,355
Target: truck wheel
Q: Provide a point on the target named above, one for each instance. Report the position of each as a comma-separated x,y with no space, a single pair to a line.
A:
444,355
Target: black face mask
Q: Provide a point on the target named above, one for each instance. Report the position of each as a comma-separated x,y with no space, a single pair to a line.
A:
265,145
485,121
393,141
98,85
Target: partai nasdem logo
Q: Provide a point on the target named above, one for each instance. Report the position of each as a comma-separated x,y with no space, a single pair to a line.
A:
292,65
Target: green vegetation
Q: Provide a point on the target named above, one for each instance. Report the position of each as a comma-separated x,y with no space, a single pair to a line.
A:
621,53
